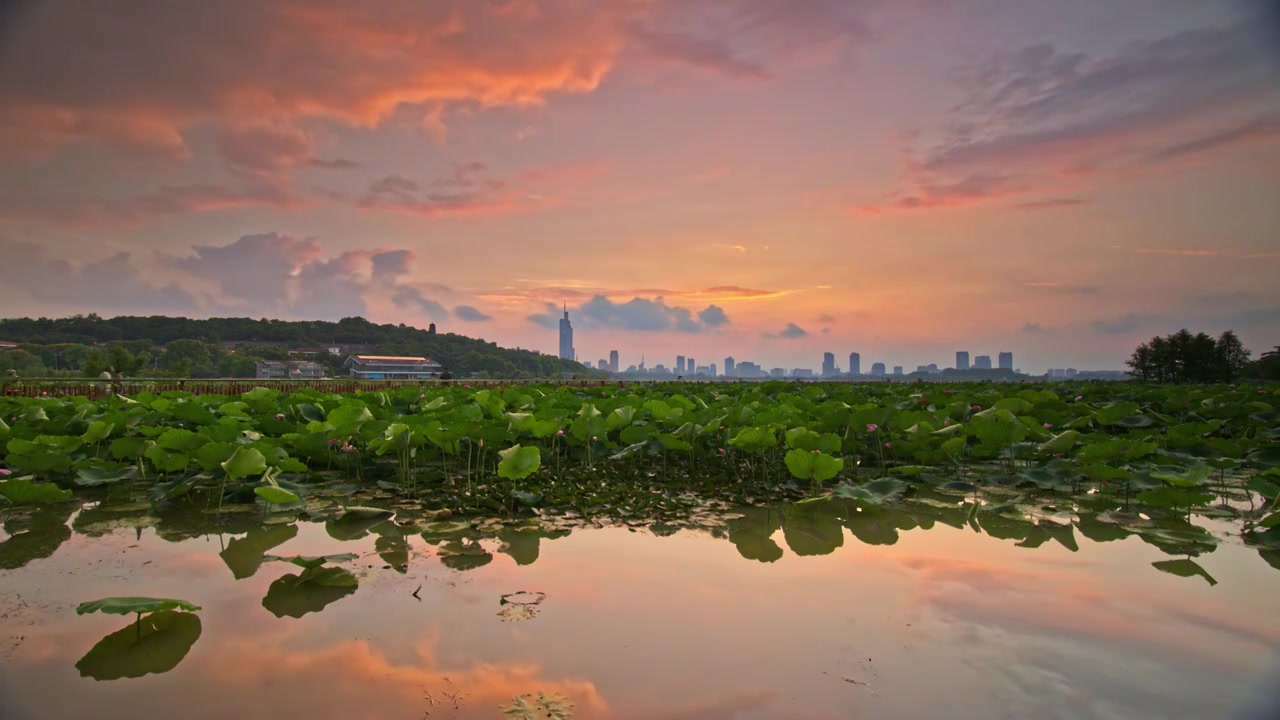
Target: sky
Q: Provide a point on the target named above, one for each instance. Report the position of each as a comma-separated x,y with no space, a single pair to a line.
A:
710,178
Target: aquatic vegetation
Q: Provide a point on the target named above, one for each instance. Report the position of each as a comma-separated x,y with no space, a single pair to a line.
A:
156,642
658,453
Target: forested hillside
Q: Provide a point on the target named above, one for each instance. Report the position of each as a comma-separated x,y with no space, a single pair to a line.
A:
177,345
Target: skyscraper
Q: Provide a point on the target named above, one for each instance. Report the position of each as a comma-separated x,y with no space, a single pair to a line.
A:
728,367
828,364
566,337
712,369
1006,361
897,369
689,367
855,364
613,361
982,362
877,368
962,360
680,363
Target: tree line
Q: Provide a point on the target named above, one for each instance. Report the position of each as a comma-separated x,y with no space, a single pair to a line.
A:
1185,358
181,347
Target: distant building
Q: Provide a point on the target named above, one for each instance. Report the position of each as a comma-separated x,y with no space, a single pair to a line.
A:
877,368
922,368
1072,372
689,366
566,337
712,369
828,364
602,364
729,369
982,362
746,369
1006,361
801,372
390,367
897,369
680,363
289,370
613,361
855,364
778,372
962,360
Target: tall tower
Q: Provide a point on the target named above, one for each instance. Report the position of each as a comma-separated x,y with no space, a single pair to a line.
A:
728,367
828,364
855,364
689,367
962,360
1006,361
613,361
680,364
566,337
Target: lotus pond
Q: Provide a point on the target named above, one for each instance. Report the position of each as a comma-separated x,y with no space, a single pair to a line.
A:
673,551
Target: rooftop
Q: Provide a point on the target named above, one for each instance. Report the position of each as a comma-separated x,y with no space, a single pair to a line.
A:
390,358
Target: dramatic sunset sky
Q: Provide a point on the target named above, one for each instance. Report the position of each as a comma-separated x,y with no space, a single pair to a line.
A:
756,178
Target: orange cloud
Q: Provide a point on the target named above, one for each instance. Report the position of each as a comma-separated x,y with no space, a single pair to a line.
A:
249,60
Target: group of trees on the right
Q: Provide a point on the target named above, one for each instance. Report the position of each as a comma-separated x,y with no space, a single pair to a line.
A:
1185,358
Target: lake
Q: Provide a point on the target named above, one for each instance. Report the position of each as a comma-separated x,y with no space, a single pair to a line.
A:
758,614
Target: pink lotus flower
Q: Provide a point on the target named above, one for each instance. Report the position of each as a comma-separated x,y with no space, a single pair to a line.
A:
976,408
1079,398
721,450
6,473
1048,425
279,416
888,444
872,427
946,422
334,441
559,432
422,396
44,394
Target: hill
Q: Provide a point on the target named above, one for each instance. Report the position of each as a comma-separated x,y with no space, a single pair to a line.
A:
228,346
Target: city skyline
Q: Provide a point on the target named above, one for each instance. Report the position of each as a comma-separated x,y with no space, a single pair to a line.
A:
772,180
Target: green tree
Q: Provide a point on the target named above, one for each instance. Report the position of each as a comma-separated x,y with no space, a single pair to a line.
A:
1232,357
25,364
1186,358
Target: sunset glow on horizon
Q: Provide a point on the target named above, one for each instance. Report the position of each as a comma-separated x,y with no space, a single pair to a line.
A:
750,178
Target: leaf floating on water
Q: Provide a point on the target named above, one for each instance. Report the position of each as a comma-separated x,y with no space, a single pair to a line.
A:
539,707
153,645
133,605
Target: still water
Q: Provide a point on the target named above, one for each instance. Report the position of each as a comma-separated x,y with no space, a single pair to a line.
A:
767,615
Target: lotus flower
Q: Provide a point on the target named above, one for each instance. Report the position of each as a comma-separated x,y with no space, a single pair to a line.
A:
721,450
815,452
559,432
872,427
888,444
946,422
334,441
1079,398
1048,425
976,408
279,416
6,473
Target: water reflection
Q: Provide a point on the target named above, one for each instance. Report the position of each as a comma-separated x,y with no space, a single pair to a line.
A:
760,613
155,644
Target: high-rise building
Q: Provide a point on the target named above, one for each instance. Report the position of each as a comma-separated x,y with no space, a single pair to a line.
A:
613,361
897,369
680,363
566,337
690,366
962,360
877,368
1006,361
778,372
729,367
746,369
712,368
828,364
982,362
855,364
602,364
